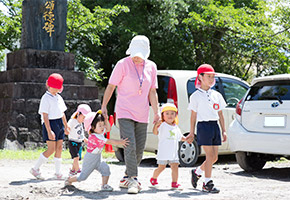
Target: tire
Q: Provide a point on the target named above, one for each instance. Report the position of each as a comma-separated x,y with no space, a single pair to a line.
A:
119,153
250,161
188,153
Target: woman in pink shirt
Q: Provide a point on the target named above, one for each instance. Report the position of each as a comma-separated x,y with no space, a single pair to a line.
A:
136,80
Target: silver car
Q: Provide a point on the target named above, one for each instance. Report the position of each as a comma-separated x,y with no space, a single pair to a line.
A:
176,86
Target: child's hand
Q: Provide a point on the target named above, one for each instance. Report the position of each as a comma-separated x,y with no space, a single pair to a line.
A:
67,130
124,142
189,139
51,135
158,123
224,134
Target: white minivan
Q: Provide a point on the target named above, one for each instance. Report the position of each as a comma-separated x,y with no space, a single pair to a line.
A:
261,131
176,86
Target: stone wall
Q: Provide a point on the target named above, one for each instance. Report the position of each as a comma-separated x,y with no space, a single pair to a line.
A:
20,91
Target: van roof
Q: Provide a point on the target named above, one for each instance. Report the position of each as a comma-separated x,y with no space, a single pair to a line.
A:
191,74
271,78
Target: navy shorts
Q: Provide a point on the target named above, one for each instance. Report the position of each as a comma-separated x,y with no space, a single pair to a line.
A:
208,133
57,127
74,148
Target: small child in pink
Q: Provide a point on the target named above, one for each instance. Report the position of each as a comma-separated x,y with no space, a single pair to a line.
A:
96,125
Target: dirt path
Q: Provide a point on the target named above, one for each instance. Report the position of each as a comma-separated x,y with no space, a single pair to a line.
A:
273,182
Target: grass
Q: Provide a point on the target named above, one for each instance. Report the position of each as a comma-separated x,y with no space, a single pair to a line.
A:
34,154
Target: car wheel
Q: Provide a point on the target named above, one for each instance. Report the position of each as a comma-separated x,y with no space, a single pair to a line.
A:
250,161
188,153
119,153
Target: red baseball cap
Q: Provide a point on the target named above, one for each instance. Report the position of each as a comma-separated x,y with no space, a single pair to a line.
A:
55,80
203,69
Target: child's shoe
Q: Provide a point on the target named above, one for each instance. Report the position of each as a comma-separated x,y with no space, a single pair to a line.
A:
194,178
58,177
154,182
106,188
209,187
79,171
72,173
124,182
36,173
175,185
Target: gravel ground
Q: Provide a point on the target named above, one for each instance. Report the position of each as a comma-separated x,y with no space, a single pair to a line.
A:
273,182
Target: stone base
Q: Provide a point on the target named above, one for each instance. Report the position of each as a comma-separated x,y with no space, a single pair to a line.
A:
32,58
20,93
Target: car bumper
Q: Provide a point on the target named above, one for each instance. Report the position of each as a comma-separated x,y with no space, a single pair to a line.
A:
269,143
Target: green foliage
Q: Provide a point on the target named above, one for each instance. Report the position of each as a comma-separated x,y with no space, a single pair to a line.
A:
10,24
83,35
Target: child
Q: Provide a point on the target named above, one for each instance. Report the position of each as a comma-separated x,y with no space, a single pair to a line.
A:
96,125
206,109
77,135
169,136
54,124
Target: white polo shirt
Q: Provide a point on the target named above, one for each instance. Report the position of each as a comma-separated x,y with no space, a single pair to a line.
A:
77,131
54,106
206,104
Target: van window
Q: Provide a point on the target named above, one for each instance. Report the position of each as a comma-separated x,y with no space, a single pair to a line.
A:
162,89
191,87
270,90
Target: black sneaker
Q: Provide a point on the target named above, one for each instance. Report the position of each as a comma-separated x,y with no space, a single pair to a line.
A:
194,178
209,187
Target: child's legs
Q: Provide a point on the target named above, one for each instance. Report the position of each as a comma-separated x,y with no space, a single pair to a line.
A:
58,148
104,169
76,165
50,148
211,155
174,171
158,170
89,164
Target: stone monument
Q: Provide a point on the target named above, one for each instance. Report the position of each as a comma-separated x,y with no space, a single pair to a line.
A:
22,85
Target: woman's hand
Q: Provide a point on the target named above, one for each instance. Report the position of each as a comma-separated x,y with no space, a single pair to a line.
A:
156,118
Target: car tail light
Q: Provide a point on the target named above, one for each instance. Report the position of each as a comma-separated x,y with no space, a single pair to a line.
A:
172,93
239,107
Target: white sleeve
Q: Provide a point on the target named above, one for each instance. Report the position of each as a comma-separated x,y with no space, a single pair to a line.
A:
192,103
43,106
62,105
221,102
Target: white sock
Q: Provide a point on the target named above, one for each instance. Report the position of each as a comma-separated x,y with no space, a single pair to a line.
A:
206,180
57,162
42,159
199,171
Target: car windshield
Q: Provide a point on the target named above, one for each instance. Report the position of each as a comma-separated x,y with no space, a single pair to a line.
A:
270,90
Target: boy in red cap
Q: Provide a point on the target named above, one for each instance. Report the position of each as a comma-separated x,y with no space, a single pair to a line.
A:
206,110
54,124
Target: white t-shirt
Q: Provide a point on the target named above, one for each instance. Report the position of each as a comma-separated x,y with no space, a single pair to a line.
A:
77,131
206,104
54,106
169,137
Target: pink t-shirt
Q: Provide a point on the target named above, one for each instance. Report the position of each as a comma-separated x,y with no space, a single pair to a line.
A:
96,143
130,104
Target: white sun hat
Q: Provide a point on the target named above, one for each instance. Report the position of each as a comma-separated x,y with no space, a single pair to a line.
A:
139,46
